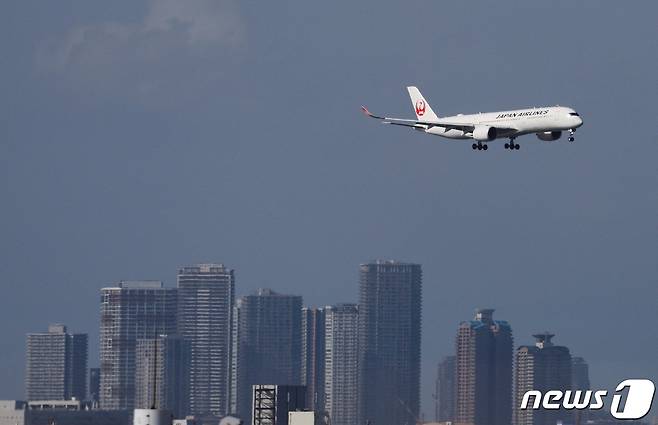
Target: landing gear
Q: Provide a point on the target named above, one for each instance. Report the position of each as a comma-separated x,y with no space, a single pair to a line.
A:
571,132
511,145
479,146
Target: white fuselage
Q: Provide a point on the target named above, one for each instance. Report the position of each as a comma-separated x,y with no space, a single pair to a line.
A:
523,121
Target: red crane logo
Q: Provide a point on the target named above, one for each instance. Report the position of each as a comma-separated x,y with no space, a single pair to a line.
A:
420,107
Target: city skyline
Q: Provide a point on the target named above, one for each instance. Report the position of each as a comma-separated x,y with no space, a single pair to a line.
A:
146,284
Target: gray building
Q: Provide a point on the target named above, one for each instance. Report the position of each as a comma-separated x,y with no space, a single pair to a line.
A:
163,374
94,385
389,342
131,310
267,345
579,374
542,367
271,404
483,390
313,346
341,359
49,412
206,295
580,381
445,390
56,365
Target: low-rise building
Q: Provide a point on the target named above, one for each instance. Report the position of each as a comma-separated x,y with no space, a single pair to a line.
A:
49,412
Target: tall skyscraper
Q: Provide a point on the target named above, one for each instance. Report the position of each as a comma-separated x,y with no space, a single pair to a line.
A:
580,381
56,365
541,367
206,295
579,374
163,374
484,371
129,311
341,359
268,345
389,342
94,385
313,346
445,390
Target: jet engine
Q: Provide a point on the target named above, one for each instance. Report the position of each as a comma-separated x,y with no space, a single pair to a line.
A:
549,136
484,133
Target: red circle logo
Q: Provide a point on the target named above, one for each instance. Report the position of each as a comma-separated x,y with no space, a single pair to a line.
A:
420,107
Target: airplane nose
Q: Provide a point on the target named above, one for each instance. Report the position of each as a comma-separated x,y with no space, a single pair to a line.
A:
580,122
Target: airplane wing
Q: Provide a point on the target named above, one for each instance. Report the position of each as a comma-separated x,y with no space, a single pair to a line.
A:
424,125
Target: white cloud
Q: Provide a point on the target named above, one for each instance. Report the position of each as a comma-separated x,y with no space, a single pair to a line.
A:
178,46
207,20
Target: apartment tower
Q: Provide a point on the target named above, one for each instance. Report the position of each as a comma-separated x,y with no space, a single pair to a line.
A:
484,371
56,365
206,294
130,310
389,342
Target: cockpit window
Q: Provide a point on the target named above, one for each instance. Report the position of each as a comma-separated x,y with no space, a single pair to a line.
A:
575,114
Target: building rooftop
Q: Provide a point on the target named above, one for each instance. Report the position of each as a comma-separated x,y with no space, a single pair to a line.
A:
137,284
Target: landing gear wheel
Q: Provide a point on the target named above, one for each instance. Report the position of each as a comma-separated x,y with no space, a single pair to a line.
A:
571,139
474,146
507,145
517,146
485,147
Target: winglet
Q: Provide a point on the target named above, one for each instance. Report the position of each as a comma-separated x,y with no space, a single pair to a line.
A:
370,114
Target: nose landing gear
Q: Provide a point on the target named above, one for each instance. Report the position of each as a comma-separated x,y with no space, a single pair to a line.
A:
571,132
511,145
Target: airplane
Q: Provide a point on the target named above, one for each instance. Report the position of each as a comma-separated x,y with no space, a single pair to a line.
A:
547,123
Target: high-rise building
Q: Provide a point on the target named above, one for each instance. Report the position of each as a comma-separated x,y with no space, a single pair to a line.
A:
313,346
206,295
484,371
542,367
131,310
94,385
163,374
579,374
445,390
389,342
341,359
56,365
580,381
268,345
271,404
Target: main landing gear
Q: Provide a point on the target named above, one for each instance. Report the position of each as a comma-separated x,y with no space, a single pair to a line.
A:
571,132
479,146
511,145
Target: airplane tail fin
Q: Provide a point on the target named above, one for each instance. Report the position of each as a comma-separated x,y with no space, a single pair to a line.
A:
423,109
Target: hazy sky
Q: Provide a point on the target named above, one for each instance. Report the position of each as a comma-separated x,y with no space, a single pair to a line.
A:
138,136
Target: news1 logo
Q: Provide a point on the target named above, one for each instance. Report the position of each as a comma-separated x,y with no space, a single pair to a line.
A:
638,395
